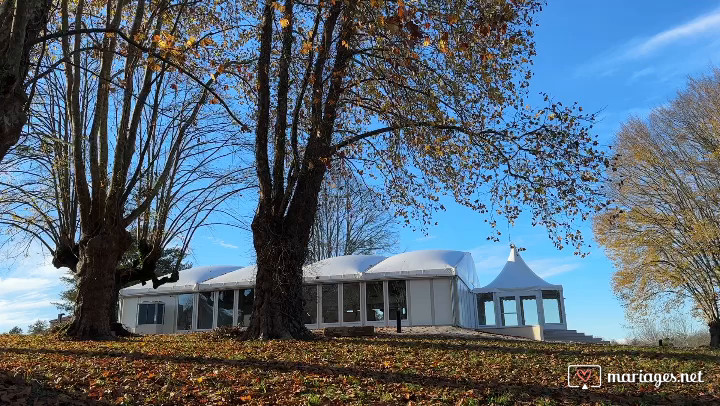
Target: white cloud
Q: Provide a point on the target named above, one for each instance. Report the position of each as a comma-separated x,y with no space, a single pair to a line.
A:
547,267
489,261
642,73
222,243
27,290
426,238
14,285
702,25
606,64
24,309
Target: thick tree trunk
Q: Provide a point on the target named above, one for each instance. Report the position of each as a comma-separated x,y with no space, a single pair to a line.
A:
21,22
714,333
99,257
277,309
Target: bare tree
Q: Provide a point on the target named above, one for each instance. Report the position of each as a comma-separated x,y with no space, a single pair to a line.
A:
350,219
117,156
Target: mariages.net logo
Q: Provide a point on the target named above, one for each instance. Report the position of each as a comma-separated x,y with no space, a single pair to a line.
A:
591,376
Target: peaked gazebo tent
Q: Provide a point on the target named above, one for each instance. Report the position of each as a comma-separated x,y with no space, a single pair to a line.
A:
519,297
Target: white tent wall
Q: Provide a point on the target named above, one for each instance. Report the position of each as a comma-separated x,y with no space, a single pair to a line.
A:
465,270
430,302
128,312
161,322
466,305
420,298
442,301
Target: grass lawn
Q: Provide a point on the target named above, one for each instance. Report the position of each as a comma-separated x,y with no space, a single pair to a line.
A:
194,370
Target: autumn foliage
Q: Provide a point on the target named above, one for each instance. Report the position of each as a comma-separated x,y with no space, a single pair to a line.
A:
662,230
192,370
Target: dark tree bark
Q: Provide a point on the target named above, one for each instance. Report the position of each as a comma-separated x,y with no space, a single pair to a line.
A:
21,22
278,301
99,258
282,226
714,333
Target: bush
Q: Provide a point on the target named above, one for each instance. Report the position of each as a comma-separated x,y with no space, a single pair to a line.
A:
15,330
39,327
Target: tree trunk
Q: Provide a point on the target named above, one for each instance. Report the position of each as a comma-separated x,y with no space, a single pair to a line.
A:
12,119
21,22
99,257
714,333
277,308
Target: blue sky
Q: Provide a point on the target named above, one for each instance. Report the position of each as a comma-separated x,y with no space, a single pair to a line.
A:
617,57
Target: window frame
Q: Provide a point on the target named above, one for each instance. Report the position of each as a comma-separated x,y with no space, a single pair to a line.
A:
523,313
503,311
383,296
559,301
344,310
155,305
338,304
216,321
317,302
481,301
391,316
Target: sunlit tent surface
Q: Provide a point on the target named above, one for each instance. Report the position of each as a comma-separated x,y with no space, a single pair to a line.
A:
188,280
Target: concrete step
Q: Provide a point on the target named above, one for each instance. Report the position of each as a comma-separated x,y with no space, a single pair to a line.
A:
571,336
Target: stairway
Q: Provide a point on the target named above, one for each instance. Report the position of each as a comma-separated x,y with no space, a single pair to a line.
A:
571,336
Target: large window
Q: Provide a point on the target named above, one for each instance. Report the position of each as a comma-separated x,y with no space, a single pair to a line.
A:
247,298
528,305
486,309
375,301
551,306
226,301
397,294
329,303
309,296
151,313
351,302
185,311
205,310
508,309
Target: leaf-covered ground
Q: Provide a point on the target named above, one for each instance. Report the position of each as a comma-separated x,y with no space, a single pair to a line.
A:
194,370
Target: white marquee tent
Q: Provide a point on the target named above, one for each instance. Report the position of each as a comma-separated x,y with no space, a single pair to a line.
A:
431,287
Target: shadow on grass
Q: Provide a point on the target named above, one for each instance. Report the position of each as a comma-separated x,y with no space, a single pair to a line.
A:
16,390
518,391
532,347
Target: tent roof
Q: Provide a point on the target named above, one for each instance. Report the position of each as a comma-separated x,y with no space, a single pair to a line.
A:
516,275
424,260
240,277
187,280
426,263
346,266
